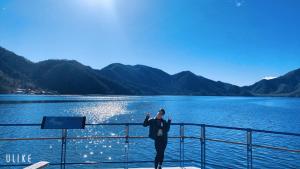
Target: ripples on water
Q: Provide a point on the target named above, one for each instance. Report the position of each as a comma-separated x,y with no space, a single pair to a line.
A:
280,114
101,112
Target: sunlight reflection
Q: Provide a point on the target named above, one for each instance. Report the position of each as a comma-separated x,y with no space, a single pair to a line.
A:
100,112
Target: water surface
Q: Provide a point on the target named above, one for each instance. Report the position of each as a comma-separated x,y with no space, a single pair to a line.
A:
278,114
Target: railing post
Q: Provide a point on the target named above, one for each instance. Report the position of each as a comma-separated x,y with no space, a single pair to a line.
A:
126,144
63,149
249,148
181,131
202,139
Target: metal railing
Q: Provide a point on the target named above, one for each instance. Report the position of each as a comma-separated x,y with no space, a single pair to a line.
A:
203,139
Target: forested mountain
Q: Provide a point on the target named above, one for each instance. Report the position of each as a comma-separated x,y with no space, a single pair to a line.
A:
286,85
72,77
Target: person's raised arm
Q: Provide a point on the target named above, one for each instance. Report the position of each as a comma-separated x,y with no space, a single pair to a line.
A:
146,121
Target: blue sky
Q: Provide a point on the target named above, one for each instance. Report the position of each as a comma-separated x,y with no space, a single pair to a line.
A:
235,41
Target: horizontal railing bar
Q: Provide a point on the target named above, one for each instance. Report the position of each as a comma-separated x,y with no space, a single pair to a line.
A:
254,130
254,145
177,124
114,137
276,132
29,139
81,138
142,137
211,126
191,137
276,148
19,125
98,124
226,127
225,141
122,162
138,124
94,137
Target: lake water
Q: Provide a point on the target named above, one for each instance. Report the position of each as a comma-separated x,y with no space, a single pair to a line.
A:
277,114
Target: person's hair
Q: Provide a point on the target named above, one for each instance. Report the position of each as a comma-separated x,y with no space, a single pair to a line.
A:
162,111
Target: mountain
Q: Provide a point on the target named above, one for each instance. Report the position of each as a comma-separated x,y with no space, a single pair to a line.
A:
71,77
14,71
147,80
191,84
140,79
62,76
286,85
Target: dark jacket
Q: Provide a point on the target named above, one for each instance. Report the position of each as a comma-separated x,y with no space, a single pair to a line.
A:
154,125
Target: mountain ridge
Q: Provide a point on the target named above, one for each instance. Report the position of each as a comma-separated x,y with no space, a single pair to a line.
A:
72,77
285,85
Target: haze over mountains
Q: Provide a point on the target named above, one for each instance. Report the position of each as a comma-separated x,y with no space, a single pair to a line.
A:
71,77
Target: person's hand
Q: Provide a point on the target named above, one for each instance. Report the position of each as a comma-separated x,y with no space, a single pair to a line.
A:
169,119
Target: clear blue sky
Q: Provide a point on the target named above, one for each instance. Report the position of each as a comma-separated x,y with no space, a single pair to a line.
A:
235,41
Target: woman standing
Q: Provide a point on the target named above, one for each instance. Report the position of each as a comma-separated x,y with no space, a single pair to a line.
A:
158,131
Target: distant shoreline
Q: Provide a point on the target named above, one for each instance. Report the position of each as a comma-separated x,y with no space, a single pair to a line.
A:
116,95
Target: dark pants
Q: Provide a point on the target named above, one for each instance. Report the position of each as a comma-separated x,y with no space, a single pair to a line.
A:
160,146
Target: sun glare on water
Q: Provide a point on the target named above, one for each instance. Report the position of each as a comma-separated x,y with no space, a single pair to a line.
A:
99,112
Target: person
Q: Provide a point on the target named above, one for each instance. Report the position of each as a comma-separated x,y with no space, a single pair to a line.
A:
158,131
